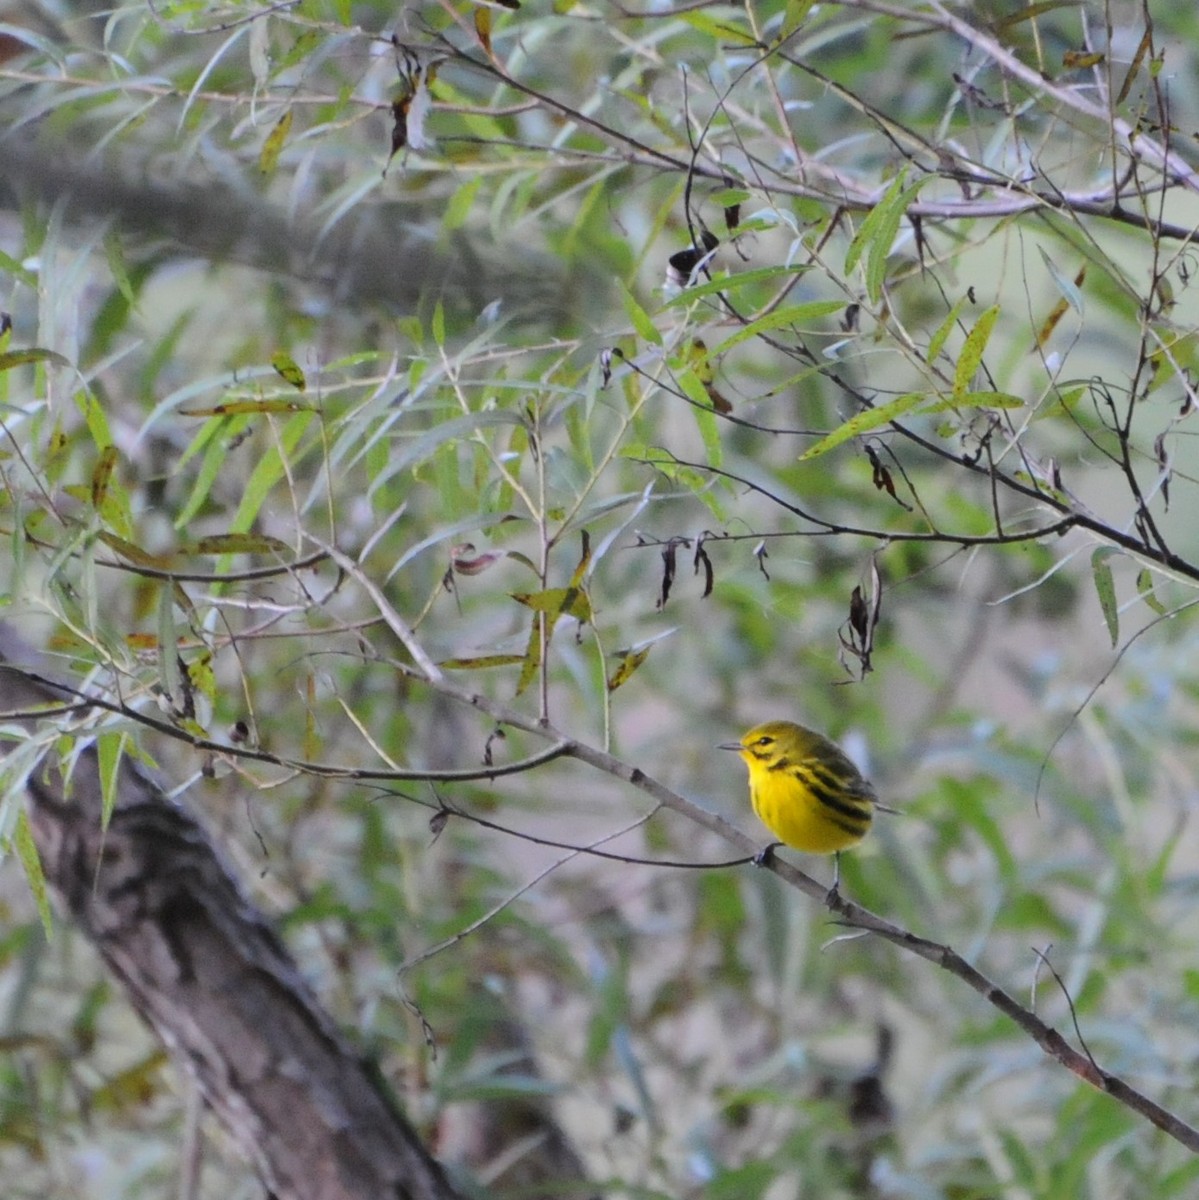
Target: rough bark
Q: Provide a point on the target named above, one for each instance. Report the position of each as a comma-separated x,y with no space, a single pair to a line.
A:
210,974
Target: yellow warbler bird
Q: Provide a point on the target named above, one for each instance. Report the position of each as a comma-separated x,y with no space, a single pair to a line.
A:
805,790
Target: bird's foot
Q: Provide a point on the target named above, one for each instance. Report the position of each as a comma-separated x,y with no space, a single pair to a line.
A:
765,856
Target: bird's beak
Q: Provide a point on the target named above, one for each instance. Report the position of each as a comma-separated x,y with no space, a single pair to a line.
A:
729,746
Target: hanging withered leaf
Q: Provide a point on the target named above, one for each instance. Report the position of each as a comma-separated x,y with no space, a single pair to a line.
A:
670,556
702,560
1162,454
882,478
1081,59
464,560
438,822
857,634
684,264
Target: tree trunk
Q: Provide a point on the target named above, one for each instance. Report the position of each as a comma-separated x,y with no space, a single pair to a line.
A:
210,974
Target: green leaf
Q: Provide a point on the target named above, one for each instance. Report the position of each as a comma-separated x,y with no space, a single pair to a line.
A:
972,351
975,400
31,861
731,283
872,418
110,748
791,314
720,31
116,264
33,354
1105,589
938,338
461,203
1146,592
267,473
794,15
640,318
912,402
480,662
286,368
877,232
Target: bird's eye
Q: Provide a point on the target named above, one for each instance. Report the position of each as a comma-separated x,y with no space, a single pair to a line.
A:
765,741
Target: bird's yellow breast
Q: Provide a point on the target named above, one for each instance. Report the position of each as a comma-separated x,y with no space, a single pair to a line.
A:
792,812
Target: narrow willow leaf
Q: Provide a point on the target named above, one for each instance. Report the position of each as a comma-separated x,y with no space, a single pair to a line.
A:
1105,589
170,678
629,663
102,475
975,400
640,318
877,233
571,601
721,31
135,554
938,338
268,158
973,349
31,862
872,418
729,196
33,354
238,543
481,662
242,407
483,29
731,283
268,472
794,15
110,749
1069,288
792,314
531,659
97,421
1146,592
116,265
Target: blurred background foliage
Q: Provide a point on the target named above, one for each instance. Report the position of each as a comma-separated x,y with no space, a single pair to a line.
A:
241,328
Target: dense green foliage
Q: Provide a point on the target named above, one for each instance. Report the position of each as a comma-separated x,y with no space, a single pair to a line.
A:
906,459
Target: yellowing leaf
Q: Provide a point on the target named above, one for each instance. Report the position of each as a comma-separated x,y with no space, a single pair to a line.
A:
568,601
972,351
481,661
237,407
483,29
238,543
285,366
630,661
268,158
102,474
